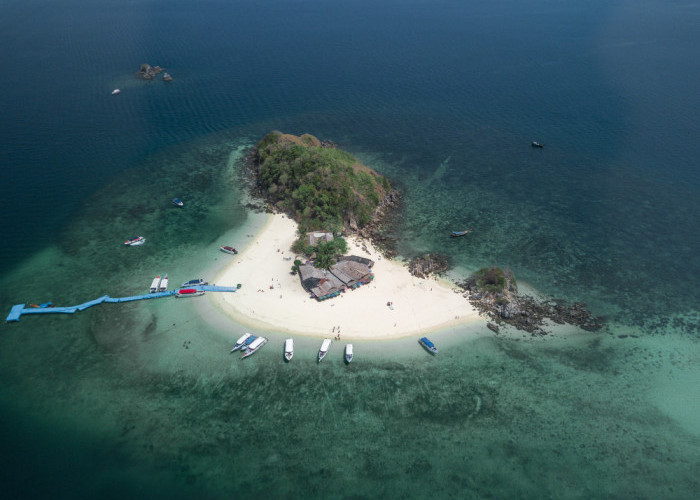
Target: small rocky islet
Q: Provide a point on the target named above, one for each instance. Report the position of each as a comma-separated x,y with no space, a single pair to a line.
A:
148,72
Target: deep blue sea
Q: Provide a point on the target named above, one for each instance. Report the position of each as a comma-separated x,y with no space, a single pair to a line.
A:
443,97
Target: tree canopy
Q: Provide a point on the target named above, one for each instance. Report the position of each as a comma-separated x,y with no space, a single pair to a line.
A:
322,187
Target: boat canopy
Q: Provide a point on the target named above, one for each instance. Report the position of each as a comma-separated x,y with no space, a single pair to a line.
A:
326,344
427,342
348,349
288,345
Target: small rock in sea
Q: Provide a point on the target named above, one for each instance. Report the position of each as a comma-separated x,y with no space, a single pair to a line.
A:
167,77
492,326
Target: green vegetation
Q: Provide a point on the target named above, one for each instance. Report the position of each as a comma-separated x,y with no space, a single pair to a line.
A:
323,188
491,279
328,252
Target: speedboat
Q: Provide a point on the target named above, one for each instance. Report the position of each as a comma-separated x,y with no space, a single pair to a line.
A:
428,345
116,91
348,353
163,284
457,234
324,349
230,250
241,341
188,292
197,282
247,342
254,346
536,144
288,349
178,202
155,284
135,241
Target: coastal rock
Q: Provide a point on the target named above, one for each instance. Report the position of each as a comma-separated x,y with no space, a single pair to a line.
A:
424,266
148,72
493,292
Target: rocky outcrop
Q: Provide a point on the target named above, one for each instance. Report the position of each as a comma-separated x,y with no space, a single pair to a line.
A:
424,266
148,72
494,293
167,77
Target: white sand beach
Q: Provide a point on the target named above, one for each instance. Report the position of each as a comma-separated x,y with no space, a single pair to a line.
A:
272,298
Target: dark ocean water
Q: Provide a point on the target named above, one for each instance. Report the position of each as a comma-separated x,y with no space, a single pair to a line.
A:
442,97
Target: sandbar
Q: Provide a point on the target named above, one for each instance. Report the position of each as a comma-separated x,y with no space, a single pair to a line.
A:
273,299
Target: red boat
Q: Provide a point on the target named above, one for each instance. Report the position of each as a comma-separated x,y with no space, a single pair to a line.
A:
188,292
230,250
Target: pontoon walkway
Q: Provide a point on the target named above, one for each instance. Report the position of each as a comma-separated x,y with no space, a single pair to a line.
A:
19,309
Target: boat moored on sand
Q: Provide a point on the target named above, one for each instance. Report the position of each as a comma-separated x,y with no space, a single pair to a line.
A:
135,241
428,345
254,346
348,353
189,292
242,341
324,349
288,349
227,249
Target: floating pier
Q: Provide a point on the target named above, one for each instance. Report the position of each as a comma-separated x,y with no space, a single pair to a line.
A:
18,310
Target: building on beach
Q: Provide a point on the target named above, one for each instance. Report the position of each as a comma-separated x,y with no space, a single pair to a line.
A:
346,273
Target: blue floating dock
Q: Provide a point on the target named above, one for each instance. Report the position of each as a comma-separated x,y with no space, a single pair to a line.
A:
19,309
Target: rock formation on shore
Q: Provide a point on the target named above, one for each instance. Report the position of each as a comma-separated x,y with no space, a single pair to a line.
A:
494,292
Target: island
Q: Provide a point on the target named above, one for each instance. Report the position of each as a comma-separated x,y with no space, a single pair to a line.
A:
323,264
318,194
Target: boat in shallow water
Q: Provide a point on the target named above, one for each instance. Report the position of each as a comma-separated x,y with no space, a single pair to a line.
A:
163,284
189,292
348,353
428,345
227,249
241,341
155,284
324,349
254,346
197,282
457,234
288,349
135,241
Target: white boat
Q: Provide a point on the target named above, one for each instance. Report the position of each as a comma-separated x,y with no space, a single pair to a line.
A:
135,241
155,284
241,341
324,349
228,249
163,284
254,346
348,353
116,91
195,282
188,292
288,349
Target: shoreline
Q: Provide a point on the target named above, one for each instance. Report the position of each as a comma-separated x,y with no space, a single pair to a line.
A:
272,299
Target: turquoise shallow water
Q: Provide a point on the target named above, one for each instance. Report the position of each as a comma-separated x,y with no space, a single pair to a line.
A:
143,400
